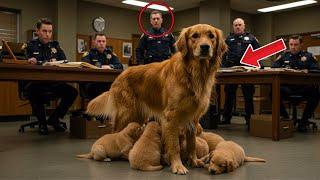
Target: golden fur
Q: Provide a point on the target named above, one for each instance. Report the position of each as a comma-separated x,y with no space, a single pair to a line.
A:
176,91
212,139
227,156
115,145
146,152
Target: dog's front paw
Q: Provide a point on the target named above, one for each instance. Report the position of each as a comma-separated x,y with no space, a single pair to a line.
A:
179,169
195,162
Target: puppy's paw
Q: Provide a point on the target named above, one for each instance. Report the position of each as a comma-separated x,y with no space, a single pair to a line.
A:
195,162
179,169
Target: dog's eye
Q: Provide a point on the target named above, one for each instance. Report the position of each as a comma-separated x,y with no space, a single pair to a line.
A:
211,36
195,35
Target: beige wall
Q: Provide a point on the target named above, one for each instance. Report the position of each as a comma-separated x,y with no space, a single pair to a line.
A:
297,21
31,11
120,23
186,18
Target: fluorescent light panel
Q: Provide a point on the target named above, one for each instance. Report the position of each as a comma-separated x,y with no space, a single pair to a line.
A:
287,6
143,4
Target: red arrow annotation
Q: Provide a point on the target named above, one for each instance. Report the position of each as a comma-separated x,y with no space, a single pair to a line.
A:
252,57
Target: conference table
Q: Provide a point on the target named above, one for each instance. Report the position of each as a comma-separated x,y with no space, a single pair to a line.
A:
275,79
15,72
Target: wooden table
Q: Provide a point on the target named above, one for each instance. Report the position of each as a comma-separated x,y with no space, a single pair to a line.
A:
275,79
15,72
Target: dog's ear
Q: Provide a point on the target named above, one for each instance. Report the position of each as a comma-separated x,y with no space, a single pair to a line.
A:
221,46
182,42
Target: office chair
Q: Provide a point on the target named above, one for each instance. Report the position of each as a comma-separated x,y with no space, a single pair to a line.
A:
47,97
294,101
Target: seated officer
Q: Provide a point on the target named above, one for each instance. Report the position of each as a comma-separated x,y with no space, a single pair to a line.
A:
295,58
101,57
238,41
39,51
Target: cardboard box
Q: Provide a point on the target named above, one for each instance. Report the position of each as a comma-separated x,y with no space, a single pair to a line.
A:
82,128
261,126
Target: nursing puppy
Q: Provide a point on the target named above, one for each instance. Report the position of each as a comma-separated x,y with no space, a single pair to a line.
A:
115,145
176,91
212,139
146,152
227,156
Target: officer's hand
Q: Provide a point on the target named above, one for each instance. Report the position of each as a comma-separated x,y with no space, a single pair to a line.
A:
106,67
32,60
53,59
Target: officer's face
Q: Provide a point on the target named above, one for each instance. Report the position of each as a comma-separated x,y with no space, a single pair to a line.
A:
100,43
238,26
45,33
156,21
294,46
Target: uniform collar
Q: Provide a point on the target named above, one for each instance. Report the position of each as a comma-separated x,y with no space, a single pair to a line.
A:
156,31
40,43
96,51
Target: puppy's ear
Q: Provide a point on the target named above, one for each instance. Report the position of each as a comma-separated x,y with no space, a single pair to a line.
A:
221,46
182,42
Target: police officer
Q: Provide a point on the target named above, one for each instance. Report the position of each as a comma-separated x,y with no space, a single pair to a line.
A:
39,51
101,57
238,41
155,49
295,58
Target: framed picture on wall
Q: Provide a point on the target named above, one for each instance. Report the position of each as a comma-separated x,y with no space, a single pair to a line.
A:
126,49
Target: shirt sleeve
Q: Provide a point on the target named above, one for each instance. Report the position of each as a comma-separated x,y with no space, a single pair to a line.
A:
278,62
140,50
115,63
172,41
312,62
61,55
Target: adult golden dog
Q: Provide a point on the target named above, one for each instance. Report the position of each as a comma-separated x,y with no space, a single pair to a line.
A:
176,91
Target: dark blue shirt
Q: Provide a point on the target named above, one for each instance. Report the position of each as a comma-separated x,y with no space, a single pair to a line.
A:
152,49
237,45
44,52
98,59
301,60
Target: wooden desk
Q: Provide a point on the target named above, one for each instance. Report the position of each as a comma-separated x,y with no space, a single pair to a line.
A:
15,72
274,79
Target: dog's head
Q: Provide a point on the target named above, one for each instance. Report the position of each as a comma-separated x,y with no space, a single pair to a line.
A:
220,162
201,41
134,130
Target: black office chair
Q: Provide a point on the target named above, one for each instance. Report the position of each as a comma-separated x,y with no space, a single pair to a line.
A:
294,101
47,97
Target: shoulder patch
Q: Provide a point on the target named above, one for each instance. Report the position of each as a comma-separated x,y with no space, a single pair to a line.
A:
24,46
279,57
86,53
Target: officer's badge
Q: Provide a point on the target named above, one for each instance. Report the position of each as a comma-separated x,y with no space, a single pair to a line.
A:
246,38
109,56
86,53
53,50
303,58
24,46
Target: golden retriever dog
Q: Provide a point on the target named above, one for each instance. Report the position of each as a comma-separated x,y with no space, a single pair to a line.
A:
227,156
146,152
115,145
175,91
212,139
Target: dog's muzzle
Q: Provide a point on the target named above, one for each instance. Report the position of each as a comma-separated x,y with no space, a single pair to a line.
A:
204,50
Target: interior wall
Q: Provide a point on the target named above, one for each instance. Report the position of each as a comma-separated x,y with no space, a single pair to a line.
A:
186,18
120,23
31,11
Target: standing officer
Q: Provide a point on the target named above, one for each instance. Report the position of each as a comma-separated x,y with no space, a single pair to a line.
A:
238,41
155,49
101,57
39,51
295,58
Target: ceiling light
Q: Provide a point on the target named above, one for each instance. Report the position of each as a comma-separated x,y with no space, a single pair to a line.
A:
287,6
143,4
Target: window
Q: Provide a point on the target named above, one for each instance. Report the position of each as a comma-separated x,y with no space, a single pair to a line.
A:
9,25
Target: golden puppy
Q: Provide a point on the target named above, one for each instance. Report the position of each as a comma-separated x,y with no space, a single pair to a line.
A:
146,152
227,156
115,145
176,91
212,139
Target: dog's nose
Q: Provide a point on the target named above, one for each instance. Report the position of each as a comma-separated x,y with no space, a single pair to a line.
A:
204,47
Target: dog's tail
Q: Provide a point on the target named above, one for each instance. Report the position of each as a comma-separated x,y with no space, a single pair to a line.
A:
100,106
87,156
253,159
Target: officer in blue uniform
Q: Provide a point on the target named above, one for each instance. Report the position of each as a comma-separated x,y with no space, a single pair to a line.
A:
295,58
39,51
155,49
238,41
101,57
